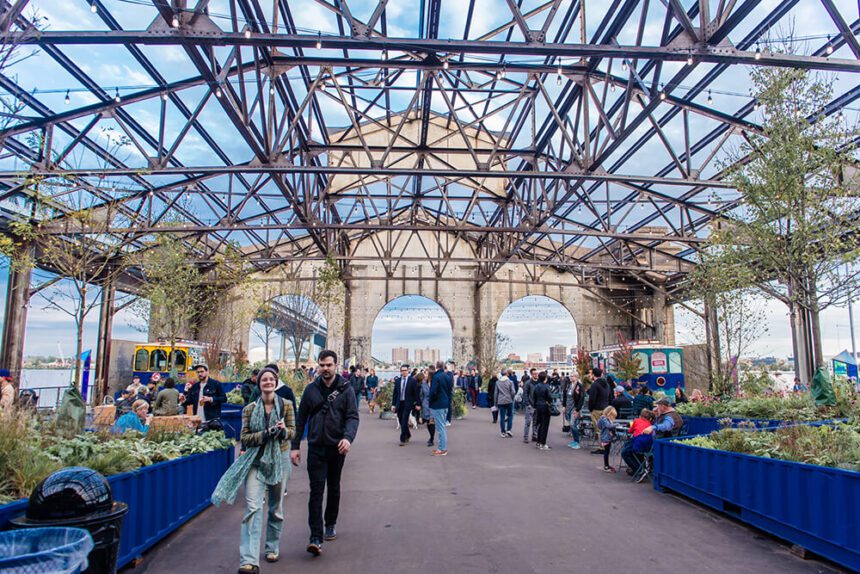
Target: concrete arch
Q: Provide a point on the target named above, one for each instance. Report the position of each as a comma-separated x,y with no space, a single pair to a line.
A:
566,341
567,306
438,304
303,303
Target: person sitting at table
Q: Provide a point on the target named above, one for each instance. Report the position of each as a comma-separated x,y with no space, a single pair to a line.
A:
167,401
136,420
639,442
643,399
135,385
124,404
668,422
621,403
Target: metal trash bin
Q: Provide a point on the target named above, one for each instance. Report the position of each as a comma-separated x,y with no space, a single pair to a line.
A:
44,550
79,497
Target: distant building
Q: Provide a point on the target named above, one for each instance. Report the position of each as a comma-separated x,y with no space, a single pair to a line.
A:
427,355
514,358
534,358
558,354
399,355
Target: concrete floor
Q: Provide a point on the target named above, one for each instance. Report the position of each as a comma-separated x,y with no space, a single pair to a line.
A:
491,505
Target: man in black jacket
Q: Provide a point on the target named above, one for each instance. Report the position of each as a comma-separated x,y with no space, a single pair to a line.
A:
328,409
405,398
211,397
599,396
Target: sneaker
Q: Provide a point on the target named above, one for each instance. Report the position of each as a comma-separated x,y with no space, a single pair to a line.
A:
547,447
609,469
504,435
525,440
330,533
574,445
474,406
447,424
429,443
598,451
438,452
401,443
315,546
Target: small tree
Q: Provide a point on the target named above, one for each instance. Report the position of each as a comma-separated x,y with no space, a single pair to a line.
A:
492,345
628,364
583,363
264,325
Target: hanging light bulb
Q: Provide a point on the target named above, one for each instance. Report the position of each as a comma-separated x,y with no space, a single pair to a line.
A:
164,96
175,22
690,59
757,51
624,65
558,80
710,99
93,7
445,65
756,105
116,97
319,40
829,48
68,100
612,87
498,74
662,92
248,33
271,89
217,91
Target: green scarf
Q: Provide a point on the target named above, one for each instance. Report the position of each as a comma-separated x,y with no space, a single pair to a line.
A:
269,465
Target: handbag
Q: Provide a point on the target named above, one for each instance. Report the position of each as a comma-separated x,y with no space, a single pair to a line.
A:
494,409
554,411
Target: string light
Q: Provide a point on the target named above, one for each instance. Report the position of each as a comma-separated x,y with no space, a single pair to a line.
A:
445,65
662,92
319,40
624,65
218,91
175,21
68,99
710,99
757,51
690,59
116,97
612,87
248,33
164,96
756,104
829,48
271,89
93,7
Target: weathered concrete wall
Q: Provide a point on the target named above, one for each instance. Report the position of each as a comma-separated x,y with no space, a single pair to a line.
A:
470,309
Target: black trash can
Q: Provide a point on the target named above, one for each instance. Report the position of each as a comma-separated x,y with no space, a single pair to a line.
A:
79,497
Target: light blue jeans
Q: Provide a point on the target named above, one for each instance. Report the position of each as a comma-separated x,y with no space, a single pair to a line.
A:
252,522
441,416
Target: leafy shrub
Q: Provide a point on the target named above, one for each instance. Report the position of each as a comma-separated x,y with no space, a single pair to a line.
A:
234,397
384,397
458,403
834,446
788,408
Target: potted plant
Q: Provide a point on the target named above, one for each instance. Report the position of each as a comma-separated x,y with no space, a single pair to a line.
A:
383,400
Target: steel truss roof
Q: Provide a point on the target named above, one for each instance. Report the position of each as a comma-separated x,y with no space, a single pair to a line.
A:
298,129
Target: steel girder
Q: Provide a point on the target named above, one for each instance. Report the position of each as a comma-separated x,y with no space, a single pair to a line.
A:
318,142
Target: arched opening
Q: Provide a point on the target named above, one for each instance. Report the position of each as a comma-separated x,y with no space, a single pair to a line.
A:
290,329
536,331
410,329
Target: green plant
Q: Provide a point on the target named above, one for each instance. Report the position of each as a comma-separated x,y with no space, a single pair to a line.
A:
792,407
458,403
234,397
628,365
837,446
384,397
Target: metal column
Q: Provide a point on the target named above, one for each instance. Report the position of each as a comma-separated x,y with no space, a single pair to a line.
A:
15,322
106,315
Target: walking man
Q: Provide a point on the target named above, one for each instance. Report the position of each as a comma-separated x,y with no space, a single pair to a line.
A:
440,400
328,408
407,396
528,404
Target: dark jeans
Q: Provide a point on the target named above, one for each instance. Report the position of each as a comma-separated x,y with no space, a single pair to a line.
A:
473,396
542,417
403,417
325,465
631,457
506,418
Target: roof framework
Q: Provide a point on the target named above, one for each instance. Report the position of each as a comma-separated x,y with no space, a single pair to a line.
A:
296,130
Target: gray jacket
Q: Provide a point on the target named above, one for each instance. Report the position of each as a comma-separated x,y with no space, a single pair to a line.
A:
505,392
425,399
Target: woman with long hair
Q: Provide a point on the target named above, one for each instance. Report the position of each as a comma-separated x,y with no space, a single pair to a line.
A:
268,425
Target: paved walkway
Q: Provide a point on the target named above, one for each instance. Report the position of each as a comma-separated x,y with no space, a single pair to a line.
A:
491,505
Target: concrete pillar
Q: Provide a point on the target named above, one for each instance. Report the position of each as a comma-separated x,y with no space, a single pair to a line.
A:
106,315
15,322
712,339
659,316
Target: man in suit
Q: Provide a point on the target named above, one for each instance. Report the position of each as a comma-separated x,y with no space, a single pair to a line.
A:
406,398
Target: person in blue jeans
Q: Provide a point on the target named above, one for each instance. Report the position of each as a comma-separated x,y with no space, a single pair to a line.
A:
440,399
503,398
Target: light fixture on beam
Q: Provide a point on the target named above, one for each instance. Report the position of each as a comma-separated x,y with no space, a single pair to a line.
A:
829,48
116,97
710,99
175,21
319,41
93,7
68,99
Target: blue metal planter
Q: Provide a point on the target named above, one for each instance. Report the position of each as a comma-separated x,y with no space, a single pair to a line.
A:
707,425
815,507
161,498
231,418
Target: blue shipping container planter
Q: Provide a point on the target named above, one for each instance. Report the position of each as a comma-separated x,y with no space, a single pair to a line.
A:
815,507
231,418
160,497
706,425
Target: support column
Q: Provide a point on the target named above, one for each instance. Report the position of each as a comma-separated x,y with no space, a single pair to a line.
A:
106,315
712,339
15,322
659,316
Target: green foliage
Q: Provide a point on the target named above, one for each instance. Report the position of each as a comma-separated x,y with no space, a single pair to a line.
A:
234,397
458,404
583,364
837,446
788,408
28,453
384,397
329,286
628,365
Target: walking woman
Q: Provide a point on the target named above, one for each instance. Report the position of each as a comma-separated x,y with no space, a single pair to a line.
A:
268,425
371,383
424,384
542,400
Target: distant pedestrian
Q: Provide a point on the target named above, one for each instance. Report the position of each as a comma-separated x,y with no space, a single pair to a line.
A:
542,400
504,400
328,408
474,388
406,396
371,384
441,388
491,402
449,377
599,396
606,426
528,404
426,412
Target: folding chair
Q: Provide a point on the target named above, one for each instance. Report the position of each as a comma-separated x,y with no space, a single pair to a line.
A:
646,466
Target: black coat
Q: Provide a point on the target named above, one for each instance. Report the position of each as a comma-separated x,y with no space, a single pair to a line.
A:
598,395
213,389
541,396
328,421
413,393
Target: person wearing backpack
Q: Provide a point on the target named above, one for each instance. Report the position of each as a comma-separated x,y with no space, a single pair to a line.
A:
329,410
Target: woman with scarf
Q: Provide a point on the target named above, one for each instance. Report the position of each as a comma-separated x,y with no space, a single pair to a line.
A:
268,425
